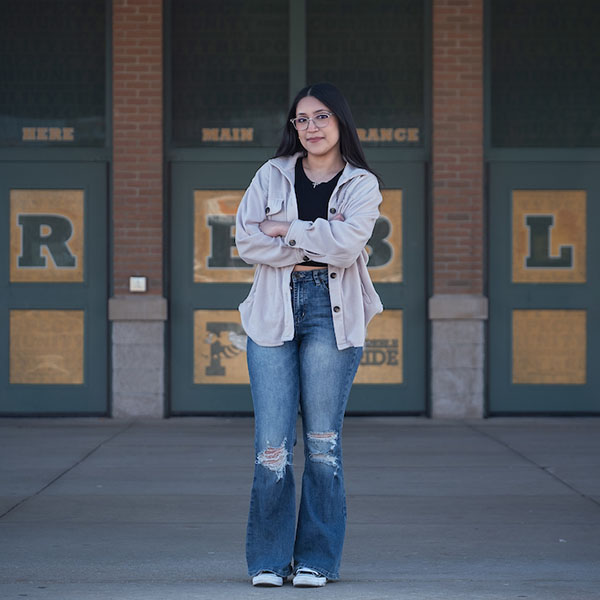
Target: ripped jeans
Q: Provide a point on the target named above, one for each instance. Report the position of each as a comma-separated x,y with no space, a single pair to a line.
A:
311,372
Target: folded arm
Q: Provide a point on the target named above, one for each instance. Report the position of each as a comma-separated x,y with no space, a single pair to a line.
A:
340,242
255,246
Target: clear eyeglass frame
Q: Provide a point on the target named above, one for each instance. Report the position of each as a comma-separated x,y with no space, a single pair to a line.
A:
321,120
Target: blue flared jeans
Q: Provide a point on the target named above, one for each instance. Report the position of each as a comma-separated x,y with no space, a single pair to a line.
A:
308,371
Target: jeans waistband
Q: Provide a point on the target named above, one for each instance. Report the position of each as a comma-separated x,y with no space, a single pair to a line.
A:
319,275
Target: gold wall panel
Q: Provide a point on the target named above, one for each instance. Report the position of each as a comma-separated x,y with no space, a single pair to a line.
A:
52,216
385,249
216,258
215,255
566,211
549,346
46,346
220,348
382,354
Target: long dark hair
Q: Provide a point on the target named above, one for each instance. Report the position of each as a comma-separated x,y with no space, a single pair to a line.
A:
334,100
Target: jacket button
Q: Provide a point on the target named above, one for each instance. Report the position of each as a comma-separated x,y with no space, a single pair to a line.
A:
332,211
305,258
267,210
292,242
333,275
336,309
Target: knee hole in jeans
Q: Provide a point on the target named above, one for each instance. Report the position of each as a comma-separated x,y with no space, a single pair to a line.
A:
274,459
321,446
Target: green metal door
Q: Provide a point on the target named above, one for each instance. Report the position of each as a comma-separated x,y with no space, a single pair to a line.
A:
208,365
53,297
544,338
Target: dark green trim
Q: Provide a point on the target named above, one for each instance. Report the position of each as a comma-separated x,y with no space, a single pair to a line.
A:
297,73
427,82
391,399
55,154
487,225
428,278
167,88
260,155
544,154
108,140
487,77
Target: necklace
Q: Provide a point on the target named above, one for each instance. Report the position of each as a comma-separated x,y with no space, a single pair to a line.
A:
316,183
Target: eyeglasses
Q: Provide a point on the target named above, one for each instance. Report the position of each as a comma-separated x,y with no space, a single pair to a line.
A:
321,120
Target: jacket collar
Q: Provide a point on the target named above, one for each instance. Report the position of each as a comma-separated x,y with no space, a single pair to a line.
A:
287,164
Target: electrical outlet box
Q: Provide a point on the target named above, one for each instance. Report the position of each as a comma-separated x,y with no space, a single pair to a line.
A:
137,284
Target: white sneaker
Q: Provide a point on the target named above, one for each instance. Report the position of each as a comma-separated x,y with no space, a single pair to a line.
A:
268,579
309,578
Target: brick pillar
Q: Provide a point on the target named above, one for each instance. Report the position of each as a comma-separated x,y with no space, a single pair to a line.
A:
457,309
138,319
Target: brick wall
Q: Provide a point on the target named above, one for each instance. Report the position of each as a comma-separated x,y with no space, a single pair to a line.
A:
458,146
137,142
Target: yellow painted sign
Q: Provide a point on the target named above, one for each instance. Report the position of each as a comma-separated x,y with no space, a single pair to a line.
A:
48,134
549,236
227,134
215,254
385,245
220,349
389,134
216,258
46,346
549,346
382,353
46,235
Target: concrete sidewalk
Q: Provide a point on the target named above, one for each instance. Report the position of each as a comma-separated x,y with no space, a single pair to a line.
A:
156,510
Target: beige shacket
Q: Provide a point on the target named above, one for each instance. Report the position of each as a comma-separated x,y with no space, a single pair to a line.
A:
267,311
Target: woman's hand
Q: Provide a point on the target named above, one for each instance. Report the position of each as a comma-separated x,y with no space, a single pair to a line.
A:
274,228
280,228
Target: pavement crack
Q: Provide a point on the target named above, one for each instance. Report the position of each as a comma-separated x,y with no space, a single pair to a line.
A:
63,473
526,458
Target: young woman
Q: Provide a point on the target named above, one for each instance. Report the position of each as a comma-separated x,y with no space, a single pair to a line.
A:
305,221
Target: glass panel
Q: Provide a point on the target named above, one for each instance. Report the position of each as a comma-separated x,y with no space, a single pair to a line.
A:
229,69
374,52
545,59
52,73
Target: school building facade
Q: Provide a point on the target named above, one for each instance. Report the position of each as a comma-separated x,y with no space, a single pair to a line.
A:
130,129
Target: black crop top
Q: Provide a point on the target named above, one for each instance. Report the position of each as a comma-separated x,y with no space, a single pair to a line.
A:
312,199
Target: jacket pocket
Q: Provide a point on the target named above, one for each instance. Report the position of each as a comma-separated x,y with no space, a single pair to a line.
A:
275,208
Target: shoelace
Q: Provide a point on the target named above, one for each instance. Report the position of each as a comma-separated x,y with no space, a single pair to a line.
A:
308,572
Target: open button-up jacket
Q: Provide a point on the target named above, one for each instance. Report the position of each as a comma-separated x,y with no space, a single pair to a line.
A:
267,311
